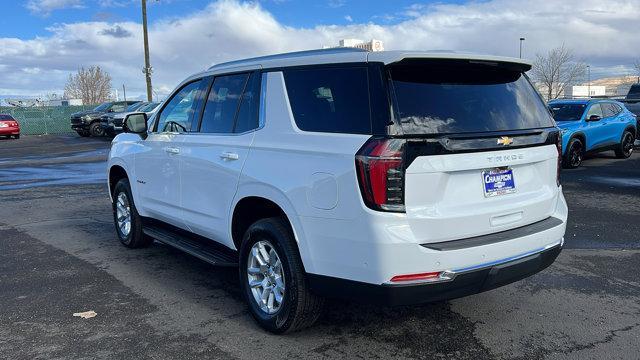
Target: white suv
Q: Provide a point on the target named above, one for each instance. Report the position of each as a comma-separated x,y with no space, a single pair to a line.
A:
390,177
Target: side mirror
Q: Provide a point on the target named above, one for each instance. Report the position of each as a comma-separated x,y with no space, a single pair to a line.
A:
135,123
594,118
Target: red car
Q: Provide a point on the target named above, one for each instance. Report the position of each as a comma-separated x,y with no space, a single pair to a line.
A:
9,126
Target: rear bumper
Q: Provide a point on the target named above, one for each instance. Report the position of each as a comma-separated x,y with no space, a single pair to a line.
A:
466,282
9,131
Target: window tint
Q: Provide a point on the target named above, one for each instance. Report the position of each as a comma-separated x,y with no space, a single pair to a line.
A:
332,100
611,109
595,109
177,114
5,117
222,104
249,106
567,111
459,97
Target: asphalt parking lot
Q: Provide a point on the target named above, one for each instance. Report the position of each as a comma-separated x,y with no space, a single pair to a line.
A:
59,255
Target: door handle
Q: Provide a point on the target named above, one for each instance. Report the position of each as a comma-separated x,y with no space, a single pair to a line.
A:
172,150
229,156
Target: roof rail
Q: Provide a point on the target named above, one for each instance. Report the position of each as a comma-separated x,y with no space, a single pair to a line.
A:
328,51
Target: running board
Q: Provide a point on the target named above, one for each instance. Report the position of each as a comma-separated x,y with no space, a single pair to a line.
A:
192,244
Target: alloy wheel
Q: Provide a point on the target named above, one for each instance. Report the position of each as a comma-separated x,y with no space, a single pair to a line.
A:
576,155
627,144
266,277
123,214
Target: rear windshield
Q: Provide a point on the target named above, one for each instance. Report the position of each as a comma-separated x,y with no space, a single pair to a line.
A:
5,117
567,112
463,97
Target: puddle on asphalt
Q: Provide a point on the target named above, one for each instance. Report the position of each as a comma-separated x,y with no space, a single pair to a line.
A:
57,158
626,182
55,174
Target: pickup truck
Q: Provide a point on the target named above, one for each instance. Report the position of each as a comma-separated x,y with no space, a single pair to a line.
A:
632,103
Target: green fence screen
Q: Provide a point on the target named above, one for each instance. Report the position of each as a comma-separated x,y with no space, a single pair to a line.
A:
39,120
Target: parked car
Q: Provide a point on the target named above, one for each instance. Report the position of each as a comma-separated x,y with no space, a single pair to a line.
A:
389,177
9,126
593,126
87,123
112,123
632,102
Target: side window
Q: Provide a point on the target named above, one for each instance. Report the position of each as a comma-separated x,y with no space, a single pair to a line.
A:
616,108
609,109
176,116
334,100
222,104
595,109
249,105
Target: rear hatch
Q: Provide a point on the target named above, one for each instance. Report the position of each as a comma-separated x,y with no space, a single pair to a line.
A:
480,147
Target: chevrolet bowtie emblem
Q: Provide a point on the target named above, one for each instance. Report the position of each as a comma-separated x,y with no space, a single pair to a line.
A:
505,140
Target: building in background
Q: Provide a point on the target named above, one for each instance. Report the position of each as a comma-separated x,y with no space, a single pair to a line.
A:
38,102
585,91
372,45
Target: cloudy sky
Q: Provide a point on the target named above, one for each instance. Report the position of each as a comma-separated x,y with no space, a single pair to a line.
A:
43,41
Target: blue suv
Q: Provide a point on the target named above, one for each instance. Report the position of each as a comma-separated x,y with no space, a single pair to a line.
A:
591,125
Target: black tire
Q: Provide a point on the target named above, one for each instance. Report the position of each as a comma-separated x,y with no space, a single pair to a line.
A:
625,148
300,308
16,137
135,238
83,133
96,130
574,155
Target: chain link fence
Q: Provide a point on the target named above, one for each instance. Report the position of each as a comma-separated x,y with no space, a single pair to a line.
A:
40,120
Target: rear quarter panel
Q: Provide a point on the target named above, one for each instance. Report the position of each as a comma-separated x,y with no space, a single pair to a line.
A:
309,175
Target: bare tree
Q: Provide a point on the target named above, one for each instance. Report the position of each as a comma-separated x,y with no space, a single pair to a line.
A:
92,85
556,70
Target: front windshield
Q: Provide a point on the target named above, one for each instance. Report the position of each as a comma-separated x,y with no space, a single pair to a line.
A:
149,107
567,112
103,107
135,106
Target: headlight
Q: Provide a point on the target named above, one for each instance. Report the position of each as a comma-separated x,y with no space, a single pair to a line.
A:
86,117
563,131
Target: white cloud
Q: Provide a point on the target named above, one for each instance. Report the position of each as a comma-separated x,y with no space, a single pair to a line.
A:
348,18
45,7
599,33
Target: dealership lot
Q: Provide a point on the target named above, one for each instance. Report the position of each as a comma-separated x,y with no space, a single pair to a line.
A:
59,255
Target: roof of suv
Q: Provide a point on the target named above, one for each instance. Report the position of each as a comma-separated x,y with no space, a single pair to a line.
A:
346,55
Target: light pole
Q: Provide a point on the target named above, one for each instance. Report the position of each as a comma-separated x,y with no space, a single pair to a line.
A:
147,67
588,81
521,40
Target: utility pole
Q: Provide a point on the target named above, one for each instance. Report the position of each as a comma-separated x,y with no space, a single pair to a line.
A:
588,81
147,67
124,92
521,40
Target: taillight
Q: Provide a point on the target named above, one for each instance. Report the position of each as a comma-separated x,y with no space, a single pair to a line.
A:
559,166
380,169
